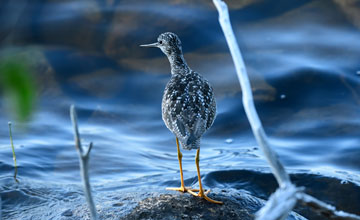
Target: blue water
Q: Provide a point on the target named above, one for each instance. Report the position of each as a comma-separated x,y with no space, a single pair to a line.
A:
302,58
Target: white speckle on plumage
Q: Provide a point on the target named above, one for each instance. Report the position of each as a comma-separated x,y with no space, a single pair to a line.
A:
188,106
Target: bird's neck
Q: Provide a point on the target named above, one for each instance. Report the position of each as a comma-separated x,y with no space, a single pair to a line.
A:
177,62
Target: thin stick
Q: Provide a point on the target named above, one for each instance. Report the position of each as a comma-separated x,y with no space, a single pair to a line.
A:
12,145
284,199
14,155
277,168
84,164
325,209
280,204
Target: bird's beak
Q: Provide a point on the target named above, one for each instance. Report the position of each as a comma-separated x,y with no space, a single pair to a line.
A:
150,45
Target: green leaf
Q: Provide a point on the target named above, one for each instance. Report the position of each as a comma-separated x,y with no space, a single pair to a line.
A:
18,87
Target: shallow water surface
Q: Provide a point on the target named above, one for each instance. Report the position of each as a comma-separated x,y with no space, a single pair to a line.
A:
302,58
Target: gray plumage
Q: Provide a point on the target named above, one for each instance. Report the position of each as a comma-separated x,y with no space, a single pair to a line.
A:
188,104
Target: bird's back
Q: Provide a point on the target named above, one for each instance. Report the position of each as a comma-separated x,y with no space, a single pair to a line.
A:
188,107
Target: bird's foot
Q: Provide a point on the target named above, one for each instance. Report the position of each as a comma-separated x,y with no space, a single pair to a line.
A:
182,189
203,195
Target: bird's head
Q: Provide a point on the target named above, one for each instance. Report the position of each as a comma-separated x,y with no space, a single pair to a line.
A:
168,42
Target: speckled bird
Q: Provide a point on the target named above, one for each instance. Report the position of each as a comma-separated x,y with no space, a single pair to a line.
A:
188,105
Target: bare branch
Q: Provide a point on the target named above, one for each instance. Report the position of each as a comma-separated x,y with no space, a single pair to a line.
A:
73,117
89,149
325,209
278,170
285,198
279,204
84,164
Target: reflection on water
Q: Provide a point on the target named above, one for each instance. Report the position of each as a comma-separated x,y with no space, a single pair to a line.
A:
302,57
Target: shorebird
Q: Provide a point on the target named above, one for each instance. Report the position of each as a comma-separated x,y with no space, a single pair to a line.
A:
188,106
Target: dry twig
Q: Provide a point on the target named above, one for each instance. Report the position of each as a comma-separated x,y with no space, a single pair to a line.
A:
84,164
285,198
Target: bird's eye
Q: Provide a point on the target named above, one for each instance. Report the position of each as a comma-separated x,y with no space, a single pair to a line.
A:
160,42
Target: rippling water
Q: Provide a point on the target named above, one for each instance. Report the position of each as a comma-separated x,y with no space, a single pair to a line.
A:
302,57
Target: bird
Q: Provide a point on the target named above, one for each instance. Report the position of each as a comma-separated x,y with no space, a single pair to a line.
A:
188,106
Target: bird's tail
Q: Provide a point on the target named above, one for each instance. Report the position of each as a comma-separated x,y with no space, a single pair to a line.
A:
191,143
191,139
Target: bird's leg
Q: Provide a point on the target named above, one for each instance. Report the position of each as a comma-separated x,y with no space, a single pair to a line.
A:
182,188
201,193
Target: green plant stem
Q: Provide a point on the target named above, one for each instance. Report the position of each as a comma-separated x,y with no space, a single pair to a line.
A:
12,145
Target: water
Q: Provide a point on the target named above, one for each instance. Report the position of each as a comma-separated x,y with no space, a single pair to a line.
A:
302,57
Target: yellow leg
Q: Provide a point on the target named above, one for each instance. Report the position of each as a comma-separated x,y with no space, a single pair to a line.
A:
182,188
201,193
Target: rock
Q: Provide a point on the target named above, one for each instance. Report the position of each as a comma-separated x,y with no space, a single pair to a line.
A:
118,204
67,213
135,203
184,207
351,10
237,205
10,13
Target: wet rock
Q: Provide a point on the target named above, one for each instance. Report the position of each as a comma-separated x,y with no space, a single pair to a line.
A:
76,24
351,10
10,12
166,205
237,205
184,207
118,204
89,83
67,213
140,203
233,4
